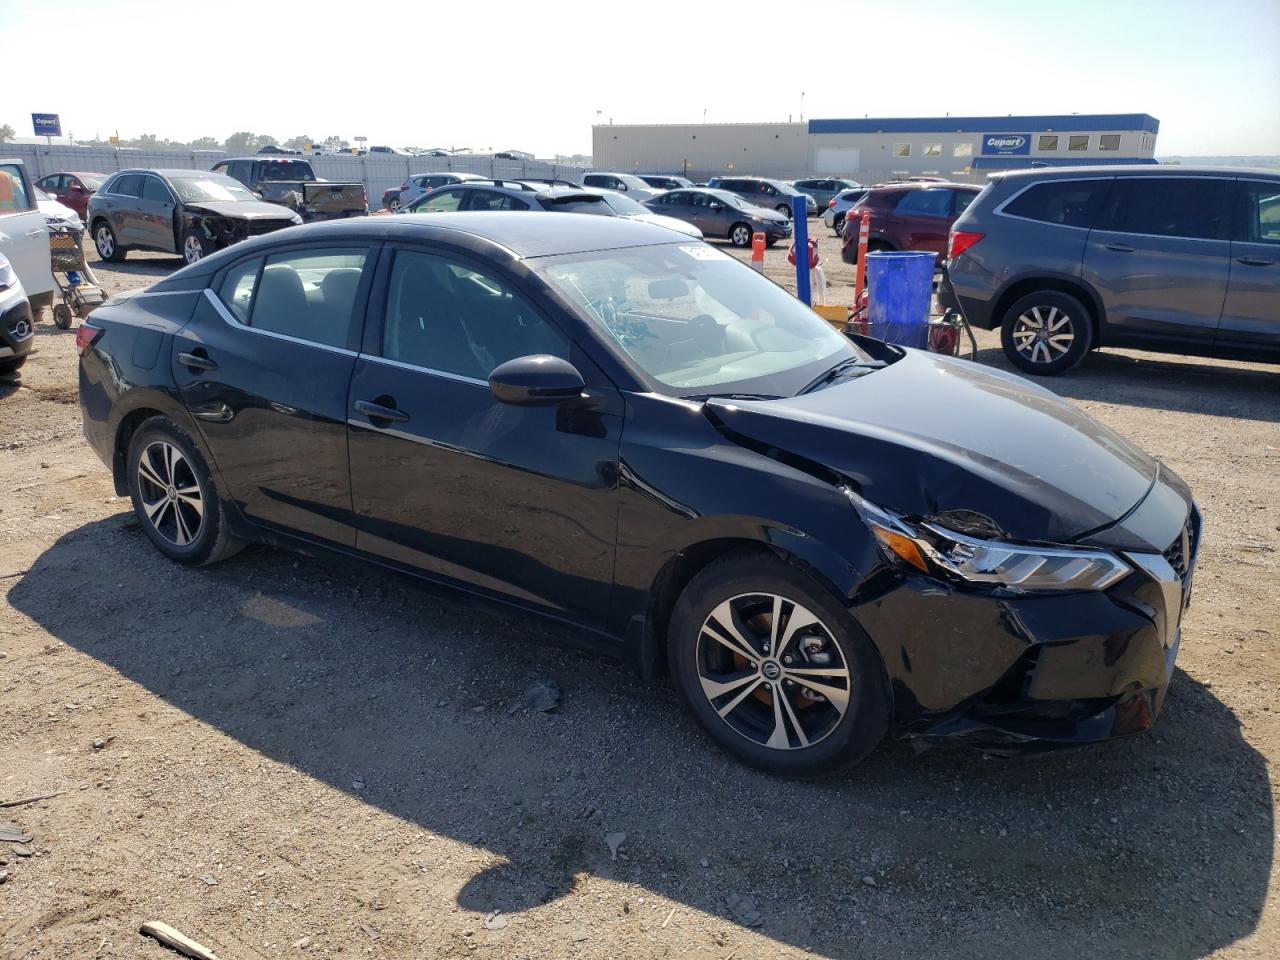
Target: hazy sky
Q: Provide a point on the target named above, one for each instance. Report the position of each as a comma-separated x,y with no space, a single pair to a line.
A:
532,76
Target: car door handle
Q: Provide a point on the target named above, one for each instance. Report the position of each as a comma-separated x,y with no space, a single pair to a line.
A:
376,411
1120,247
194,361
1255,261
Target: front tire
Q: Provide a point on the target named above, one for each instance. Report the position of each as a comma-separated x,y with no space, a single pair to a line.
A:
195,246
774,668
174,497
104,240
1046,332
12,365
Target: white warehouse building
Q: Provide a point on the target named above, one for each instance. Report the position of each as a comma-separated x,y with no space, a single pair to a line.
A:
872,150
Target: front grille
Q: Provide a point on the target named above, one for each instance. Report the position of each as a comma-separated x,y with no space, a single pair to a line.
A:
1181,553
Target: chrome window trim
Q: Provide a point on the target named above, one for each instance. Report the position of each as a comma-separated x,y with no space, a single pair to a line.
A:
231,320
418,368
166,293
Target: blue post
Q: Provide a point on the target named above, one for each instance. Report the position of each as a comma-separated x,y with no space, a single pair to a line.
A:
800,218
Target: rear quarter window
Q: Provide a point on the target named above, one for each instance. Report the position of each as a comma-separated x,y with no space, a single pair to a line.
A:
1069,203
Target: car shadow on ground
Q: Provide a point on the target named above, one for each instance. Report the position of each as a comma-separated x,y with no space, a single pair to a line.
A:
149,268
1184,384
1159,846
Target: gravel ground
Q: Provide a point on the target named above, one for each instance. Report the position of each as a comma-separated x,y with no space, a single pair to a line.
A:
288,757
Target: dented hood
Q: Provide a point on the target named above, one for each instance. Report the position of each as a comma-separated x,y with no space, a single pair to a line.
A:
929,434
242,209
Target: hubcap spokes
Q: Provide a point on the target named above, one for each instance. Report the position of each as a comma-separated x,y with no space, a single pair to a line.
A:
170,494
772,671
105,243
193,250
1043,337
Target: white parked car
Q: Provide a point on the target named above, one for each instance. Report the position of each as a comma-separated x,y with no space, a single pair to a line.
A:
16,327
627,183
55,212
24,239
833,216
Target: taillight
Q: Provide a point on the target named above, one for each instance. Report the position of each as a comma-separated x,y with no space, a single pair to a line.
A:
962,240
86,336
831,202
364,196
405,185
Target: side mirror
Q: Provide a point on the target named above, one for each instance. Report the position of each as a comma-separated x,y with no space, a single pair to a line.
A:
716,205
539,380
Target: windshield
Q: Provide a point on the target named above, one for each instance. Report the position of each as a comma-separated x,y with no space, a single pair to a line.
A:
632,181
733,200
699,322
624,206
210,186
40,194
275,170
578,203
92,183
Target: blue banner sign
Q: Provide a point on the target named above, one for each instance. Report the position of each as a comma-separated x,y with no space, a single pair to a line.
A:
46,124
1006,144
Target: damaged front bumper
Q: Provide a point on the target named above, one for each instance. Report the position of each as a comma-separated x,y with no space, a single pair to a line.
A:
1010,674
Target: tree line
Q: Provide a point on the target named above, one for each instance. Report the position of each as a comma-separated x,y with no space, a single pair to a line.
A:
243,141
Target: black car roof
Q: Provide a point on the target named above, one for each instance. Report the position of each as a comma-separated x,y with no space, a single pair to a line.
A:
1134,170
537,234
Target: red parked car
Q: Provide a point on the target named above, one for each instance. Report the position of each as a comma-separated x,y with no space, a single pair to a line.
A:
72,189
907,216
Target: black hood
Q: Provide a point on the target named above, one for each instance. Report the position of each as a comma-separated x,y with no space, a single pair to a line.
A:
929,434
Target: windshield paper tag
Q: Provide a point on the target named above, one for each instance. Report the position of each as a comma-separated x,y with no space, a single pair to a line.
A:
703,252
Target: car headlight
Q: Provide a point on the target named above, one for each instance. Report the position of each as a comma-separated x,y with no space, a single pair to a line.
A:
8,277
934,549
295,219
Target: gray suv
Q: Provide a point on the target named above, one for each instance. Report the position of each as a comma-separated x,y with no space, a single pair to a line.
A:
775,194
1172,259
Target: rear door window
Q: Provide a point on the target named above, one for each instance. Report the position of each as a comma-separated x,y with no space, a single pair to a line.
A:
1190,207
1070,203
926,203
308,295
129,185
492,200
441,201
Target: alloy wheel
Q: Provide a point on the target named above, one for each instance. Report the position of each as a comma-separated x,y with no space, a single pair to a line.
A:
1043,335
192,250
394,206
772,671
170,493
741,236
105,241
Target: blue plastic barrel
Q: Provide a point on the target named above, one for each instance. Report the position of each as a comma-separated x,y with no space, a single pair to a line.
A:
899,289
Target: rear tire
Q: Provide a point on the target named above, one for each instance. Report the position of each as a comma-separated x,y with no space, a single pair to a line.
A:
837,224
832,701
174,496
740,235
1046,332
784,209
62,316
104,240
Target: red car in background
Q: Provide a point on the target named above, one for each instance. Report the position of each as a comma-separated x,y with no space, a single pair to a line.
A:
72,189
907,216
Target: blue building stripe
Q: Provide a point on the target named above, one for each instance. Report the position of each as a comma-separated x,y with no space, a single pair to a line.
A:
1066,123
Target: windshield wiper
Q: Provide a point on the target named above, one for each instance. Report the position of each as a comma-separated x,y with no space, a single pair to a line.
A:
844,366
703,397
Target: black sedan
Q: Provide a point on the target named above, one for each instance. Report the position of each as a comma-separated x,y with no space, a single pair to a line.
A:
822,539
189,212
723,215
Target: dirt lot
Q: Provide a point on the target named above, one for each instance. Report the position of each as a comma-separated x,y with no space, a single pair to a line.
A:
285,757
